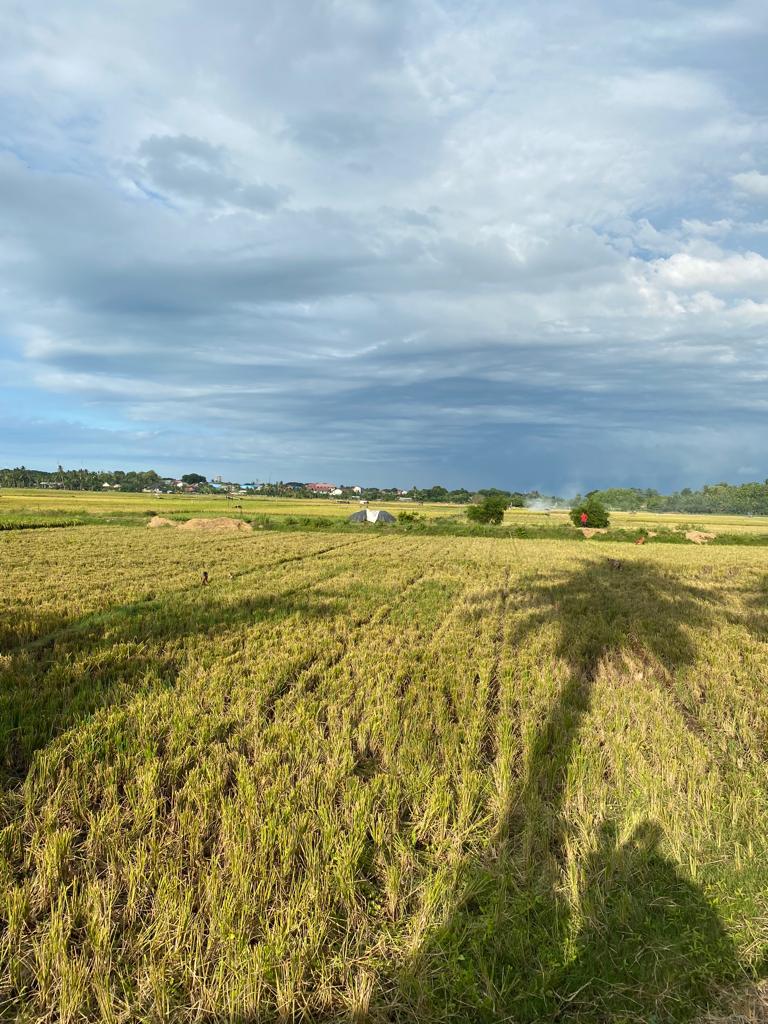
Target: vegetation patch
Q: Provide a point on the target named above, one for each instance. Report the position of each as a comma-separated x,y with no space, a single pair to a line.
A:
39,522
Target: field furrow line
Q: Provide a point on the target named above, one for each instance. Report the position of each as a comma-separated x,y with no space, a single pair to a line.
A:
310,674
289,559
705,736
489,740
136,607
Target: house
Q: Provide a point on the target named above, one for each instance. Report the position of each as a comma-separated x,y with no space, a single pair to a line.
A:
321,488
337,492
357,490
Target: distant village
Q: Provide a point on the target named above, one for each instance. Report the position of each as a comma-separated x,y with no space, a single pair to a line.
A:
291,488
149,482
194,483
749,499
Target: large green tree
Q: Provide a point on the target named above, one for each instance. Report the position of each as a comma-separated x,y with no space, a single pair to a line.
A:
490,510
596,514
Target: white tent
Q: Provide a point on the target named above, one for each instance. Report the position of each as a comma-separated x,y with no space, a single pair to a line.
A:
371,515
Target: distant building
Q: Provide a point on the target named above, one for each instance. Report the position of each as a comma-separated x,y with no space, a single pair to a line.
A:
337,492
321,488
357,490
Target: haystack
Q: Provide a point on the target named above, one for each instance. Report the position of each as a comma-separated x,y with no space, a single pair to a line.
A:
698,537
223,523
156,521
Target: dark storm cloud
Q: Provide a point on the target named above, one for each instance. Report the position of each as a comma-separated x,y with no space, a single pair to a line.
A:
413,241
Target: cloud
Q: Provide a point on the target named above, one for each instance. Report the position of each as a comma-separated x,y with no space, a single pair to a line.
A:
752,182
410,242
186,167
736,272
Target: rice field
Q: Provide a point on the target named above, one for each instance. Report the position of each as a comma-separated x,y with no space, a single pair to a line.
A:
380,778
40,504
35,501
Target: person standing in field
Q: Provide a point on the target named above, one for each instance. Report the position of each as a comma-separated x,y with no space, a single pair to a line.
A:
584,518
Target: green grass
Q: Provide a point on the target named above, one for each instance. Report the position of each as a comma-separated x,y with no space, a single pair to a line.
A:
377,776
28,521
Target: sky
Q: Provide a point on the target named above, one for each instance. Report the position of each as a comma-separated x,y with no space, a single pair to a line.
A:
388,242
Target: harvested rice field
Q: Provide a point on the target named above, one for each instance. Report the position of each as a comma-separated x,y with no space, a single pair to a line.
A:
380,778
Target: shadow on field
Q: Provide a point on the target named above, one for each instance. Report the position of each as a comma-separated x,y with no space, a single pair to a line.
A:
81,665
645,944
756,619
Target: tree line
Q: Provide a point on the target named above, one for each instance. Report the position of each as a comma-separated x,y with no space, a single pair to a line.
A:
722,498
80,479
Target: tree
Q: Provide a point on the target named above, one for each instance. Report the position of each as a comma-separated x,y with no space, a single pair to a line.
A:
436,493
597,516
490,510
193,478
460,496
